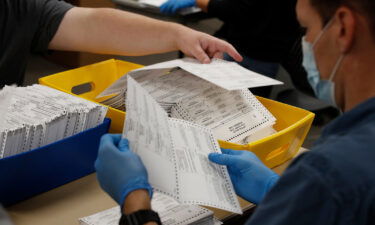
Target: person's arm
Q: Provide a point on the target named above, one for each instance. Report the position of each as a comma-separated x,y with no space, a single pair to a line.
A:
308,193
111,31
135,201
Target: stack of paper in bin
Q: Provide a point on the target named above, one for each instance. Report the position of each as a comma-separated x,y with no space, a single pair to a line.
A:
214,95
37,115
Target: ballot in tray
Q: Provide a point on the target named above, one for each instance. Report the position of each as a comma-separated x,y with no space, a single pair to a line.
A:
37,116
213,95
47,138
165,126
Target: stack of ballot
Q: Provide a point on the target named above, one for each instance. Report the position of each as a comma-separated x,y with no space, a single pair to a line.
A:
213,95
115,95
169,210
116,101
37,115
235,116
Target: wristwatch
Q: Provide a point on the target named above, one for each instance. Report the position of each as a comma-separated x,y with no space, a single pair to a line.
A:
140,217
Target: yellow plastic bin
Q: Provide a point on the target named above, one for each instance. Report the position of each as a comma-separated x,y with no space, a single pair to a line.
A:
292,126
98,77
292,123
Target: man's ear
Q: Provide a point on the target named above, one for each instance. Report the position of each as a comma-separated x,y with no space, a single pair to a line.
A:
346,22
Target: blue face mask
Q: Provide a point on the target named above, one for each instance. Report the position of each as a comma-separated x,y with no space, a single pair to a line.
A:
324,89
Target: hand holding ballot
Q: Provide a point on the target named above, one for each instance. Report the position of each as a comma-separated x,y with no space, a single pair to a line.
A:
119,170
250,177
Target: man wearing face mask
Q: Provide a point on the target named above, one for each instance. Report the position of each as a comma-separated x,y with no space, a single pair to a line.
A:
324,89
334,183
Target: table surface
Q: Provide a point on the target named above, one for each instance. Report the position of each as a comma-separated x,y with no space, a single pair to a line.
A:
80,198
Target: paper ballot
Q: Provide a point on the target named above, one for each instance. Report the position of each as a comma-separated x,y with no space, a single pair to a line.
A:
235,116
225,74
169,210
37,115
175,153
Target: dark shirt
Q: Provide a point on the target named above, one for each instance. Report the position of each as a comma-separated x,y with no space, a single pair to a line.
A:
26,26
334,183
261,29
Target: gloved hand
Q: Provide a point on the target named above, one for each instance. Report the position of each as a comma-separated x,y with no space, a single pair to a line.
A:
171,6
119,170
250,177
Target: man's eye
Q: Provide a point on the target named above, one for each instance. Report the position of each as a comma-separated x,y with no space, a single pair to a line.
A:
303,30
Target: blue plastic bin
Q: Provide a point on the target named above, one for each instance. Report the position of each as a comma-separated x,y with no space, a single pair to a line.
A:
30,173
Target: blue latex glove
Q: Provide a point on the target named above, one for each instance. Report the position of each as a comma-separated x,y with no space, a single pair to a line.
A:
250,177
172,6
119,170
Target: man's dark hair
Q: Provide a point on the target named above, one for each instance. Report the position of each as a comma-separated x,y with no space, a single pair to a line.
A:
327,8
